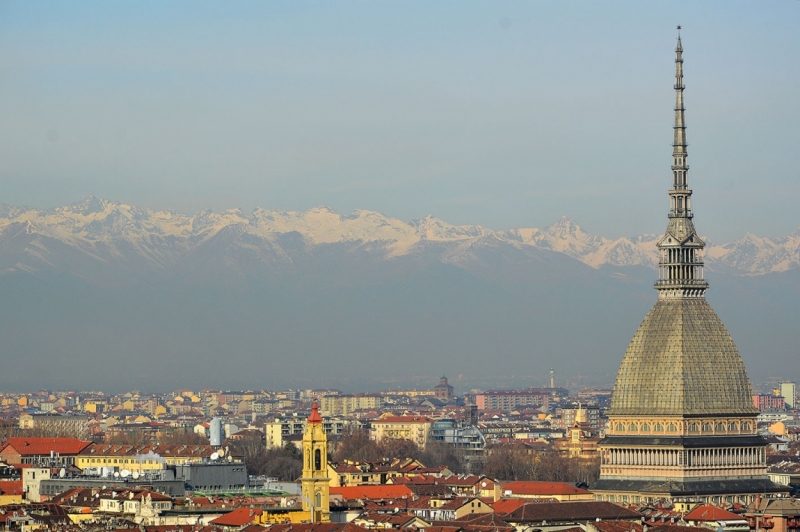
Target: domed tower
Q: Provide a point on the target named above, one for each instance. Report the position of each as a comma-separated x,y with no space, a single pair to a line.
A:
682,424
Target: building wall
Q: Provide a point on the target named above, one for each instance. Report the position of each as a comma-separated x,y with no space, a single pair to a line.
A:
344,405
764,401
509,400
789,393
404,427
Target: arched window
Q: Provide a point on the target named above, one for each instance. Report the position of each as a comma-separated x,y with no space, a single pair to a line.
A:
672,428
645,427
317,500
719,427
317,459
620,427
732,426
745,426
706,427
632,427
692,427
658,427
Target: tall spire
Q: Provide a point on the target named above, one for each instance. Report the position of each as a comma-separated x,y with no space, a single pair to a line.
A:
680,265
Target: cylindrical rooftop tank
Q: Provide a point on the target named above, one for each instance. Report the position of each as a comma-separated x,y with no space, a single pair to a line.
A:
215,432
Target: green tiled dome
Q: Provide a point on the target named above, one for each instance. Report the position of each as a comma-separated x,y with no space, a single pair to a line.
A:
682,361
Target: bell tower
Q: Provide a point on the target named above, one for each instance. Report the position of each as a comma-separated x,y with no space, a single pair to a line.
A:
315,481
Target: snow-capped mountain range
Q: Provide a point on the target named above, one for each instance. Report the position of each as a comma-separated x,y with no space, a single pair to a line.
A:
115,234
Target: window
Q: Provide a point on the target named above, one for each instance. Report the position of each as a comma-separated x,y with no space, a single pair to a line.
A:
658,427
745,426
706,427
645,427
692,427
317,459
620,427
632,427
732,426
672,428
719,427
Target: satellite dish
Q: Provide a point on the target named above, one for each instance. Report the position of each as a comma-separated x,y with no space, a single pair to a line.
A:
483,484
221,452
125,473
62,472
215,456
135,475
116,475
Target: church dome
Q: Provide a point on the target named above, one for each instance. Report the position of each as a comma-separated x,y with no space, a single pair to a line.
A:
682,361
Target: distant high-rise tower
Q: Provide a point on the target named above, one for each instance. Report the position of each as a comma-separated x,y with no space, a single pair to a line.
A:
788,393
682,422
552,378
315,481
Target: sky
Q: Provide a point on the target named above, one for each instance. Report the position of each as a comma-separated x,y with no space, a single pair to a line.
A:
503,114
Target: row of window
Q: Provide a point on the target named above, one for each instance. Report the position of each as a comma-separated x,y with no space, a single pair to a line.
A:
693,427
717,499
116,461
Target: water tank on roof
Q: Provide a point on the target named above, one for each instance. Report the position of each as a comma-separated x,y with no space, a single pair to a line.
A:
215,432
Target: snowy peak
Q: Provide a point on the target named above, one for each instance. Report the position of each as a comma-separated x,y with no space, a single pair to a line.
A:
115,233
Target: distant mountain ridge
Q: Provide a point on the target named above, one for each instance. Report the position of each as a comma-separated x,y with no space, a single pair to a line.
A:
98,233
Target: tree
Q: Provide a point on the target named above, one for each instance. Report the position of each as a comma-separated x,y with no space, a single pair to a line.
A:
398,448
512,462
357,446
437,453
517,462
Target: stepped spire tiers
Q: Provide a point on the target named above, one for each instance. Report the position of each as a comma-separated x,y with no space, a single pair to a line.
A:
680,265
682,422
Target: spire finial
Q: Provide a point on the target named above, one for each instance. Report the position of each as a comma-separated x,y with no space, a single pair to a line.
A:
681,263
315,417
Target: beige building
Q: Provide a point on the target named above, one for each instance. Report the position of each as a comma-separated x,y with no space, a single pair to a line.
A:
142,458
279,429
73,426
414,428
344,405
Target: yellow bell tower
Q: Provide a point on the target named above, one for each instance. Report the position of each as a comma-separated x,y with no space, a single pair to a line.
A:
315,479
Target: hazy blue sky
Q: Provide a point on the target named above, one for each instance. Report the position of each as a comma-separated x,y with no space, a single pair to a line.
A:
504,114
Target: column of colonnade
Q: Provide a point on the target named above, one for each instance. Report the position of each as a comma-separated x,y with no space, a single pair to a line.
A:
713,457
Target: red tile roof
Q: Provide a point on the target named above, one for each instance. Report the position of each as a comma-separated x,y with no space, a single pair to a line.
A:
570,512
319,527
238,517
504,506
383,491
11,487
43,446
711,513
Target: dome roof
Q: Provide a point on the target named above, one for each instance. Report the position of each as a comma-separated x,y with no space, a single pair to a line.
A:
682,361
